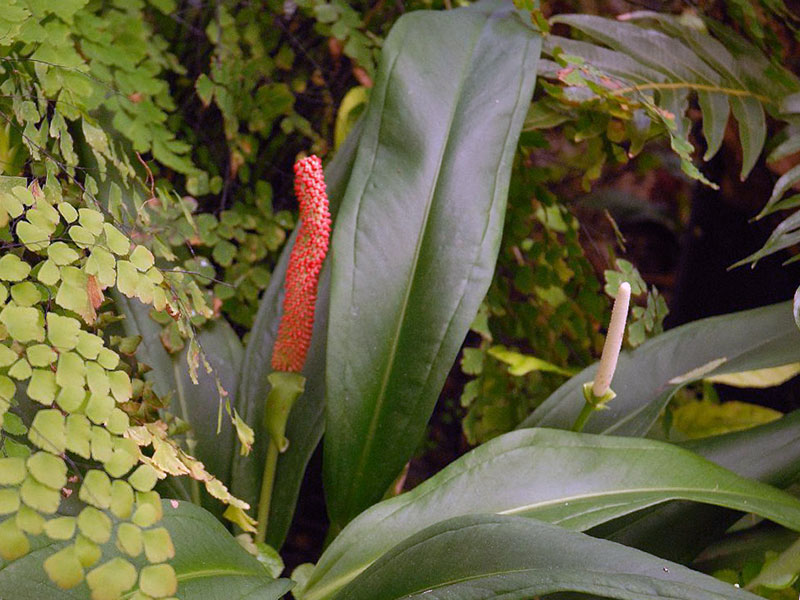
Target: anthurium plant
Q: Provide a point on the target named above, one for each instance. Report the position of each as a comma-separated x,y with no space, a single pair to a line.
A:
130,472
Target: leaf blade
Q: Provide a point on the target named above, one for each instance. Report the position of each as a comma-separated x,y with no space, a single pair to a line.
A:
517,558
574,480
413,256
743,341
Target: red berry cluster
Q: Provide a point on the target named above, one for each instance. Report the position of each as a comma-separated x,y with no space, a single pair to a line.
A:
305,262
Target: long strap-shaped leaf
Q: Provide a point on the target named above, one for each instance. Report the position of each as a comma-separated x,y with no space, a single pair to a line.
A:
574,480
680,530
209,564
481,557
416,240
645,378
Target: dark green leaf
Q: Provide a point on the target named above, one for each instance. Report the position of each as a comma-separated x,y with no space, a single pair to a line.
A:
417,238
575,480
680,530
483,557
646,378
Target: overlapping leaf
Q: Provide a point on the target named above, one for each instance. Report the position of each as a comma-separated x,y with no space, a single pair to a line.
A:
577,481
646,378
482,557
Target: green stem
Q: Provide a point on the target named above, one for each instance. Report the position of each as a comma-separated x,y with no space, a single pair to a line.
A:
286,388
580,422
591,404
268,480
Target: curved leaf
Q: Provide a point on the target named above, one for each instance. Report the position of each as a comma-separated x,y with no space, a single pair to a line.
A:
307,419
199,405
514,558
680,530
647,377
417,237
574,480
209,564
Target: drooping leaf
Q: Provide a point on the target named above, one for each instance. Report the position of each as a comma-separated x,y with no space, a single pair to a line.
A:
209,563
574,480
418,232
306,421
199,404
680,530
482,557
647,377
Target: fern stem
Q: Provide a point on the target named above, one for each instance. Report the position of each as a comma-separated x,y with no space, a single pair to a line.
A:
700,87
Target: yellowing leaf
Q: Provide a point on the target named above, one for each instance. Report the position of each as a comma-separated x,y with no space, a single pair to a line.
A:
96,489
60,528
522,364
129,539
42,386
118,243
12,471
94,524
34,237
25,294
62,331
78,435
61,254
158,545
704,418
39,496
64,568
39,355
142,258
13,543
158,581
111,579
48,431
23,323
48,469
760,378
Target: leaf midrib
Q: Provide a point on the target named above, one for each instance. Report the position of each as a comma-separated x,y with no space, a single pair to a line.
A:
395,340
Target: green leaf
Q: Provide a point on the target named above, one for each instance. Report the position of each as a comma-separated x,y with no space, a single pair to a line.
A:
438,201
680,530
647,377
483,557
209,563
521,364
573,480
24,323
307,419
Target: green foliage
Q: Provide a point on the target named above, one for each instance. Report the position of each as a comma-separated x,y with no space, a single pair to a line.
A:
208,563
419,298
645,321
542,474
52,341
544,299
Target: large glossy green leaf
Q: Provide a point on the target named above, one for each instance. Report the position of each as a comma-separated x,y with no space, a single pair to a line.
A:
209,563
482,557
198,404
417,236
645,379
574,480
307,419
680,530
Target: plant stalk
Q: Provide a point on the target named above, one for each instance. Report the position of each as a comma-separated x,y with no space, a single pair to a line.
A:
267,482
